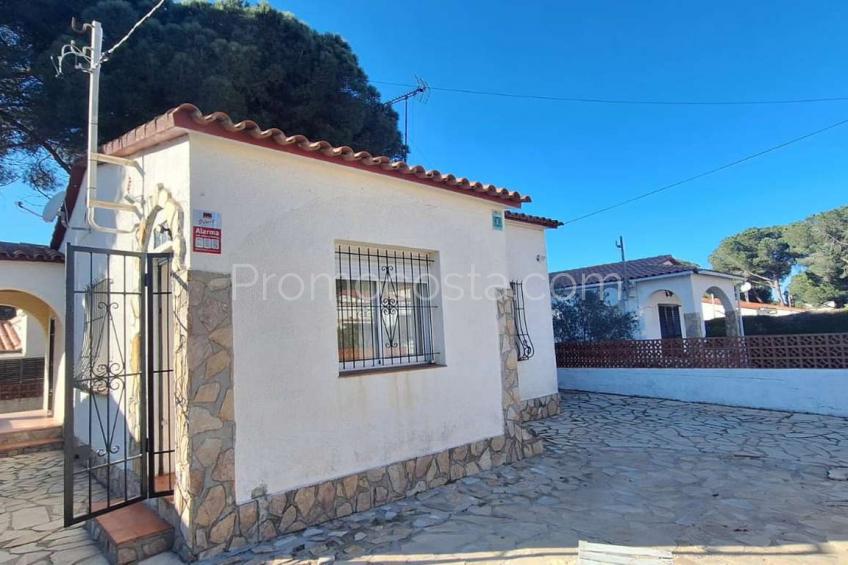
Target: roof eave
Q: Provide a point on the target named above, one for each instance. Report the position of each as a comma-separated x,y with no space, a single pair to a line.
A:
720,274
539,221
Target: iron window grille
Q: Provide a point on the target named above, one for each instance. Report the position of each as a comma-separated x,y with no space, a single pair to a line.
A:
522,334
384,306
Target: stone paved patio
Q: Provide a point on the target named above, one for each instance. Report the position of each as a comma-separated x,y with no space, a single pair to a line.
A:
712,484
31,514
31,525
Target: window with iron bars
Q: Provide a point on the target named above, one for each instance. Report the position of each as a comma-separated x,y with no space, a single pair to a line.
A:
385,307
522,334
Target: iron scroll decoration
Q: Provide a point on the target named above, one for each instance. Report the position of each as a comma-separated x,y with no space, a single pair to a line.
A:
389,306
522,334
107,375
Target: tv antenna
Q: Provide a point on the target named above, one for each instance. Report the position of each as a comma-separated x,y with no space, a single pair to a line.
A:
22,206
422,89
90,60
624,285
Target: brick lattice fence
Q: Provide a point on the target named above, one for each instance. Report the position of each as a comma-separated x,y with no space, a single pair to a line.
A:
803,351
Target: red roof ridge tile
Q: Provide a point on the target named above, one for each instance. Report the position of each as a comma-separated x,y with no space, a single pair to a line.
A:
529,219
190,117
186,117
11,251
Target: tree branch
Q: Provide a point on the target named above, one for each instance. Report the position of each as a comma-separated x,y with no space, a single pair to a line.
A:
9,119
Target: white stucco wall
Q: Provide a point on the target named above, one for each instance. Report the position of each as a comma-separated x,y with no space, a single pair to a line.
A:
297,421
45,281
166,164
817,391
527,262
720,286
650,293
35,338
649,299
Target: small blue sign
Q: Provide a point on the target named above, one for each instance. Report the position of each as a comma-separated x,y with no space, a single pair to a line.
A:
497,220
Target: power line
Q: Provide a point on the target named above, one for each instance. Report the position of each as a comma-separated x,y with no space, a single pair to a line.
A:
135,26
624,101
709,172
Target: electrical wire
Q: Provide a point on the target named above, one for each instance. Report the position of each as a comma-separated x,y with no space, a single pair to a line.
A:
624,101
708,172
137,25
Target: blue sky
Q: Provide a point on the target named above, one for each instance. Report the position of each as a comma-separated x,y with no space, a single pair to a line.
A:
574,158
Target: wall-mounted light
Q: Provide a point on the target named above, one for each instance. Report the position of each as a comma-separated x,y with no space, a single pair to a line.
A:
163,229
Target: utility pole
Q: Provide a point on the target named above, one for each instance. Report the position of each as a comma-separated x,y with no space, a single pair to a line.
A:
421,89
90,60
624,285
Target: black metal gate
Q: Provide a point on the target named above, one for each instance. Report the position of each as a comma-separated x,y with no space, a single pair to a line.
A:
118,380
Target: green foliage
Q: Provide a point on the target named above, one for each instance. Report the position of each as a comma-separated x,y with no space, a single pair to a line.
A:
760,254
761,294
818,244
821,242
801,323
589,318
249,61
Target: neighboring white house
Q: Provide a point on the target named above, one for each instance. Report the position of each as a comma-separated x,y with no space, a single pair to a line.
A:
328,330
666,294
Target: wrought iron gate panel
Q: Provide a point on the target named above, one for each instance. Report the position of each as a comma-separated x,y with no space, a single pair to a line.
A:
160,384
109,375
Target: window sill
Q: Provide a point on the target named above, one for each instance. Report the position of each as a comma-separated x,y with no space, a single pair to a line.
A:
391,369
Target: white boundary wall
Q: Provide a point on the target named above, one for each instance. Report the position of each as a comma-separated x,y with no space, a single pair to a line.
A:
817,391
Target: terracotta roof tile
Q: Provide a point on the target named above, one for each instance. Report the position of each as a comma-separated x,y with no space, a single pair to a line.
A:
29,252
187,117
636,269
528,219
10,342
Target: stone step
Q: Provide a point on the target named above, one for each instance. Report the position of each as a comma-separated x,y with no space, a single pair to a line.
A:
16,442
131,534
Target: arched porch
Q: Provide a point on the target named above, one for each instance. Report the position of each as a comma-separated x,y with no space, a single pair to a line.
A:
31,285
724,308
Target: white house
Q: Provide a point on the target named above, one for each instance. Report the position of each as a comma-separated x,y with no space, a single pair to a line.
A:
666,294
314,330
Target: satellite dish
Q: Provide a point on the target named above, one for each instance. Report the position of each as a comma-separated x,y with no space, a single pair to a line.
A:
53,207
745,287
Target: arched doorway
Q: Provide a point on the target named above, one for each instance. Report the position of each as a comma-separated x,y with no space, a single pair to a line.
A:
29,357
662,316
724,318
